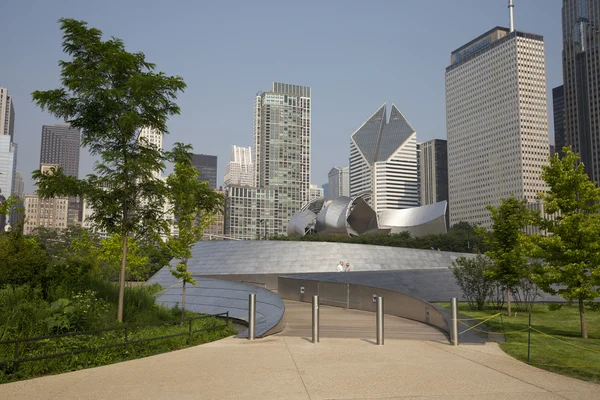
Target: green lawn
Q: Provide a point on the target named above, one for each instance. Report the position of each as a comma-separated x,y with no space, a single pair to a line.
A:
564,353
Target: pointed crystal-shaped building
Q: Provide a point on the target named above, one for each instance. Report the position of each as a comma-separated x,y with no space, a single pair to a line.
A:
383,162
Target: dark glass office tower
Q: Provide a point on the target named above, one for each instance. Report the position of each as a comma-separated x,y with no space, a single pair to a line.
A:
60,146
581,79
558,106
207,166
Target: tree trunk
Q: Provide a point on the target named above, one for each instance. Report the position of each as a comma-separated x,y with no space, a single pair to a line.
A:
183,302
122,279
508,301
582,320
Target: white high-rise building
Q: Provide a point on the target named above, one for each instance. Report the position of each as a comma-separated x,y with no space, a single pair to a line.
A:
496,122
315,192
240,170
151,136
338,183
383,162
8,149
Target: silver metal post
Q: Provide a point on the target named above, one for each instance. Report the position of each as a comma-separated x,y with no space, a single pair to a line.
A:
380,320
251,316
454,326
315,319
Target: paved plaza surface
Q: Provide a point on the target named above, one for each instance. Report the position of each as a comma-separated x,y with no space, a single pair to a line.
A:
289,366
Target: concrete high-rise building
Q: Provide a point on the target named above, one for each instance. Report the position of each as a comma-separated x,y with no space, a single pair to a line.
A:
315,192
207,166
53,213
282,165
60,146
496,121
339,183
19,186
558,109
581,72
383,162
7,114
433,162
151,136
240,170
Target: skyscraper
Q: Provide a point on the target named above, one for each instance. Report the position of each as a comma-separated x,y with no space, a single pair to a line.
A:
53,213
151,136
8,165
339,183
581,69
315,192
7,114
434,171
496,121
383,162
558,109
207,166
282,165
60,146
8,149
240,170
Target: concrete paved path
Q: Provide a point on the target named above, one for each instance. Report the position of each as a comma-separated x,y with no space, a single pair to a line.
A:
280,367
337,322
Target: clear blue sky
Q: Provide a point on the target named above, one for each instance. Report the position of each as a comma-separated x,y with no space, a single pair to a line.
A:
355,55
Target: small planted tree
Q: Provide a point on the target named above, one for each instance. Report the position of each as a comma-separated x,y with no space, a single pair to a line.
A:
471,277
111,94
506,242
571,251
194,205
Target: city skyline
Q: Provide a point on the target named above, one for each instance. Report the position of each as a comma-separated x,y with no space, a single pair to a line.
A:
417,89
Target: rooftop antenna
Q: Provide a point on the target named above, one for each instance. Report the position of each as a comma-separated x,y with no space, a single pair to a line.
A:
511,6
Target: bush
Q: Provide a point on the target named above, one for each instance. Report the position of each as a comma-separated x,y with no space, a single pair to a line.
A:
470,275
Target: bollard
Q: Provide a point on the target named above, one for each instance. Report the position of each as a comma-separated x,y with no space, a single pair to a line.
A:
529,340
380,320
454,328
251,316
315,319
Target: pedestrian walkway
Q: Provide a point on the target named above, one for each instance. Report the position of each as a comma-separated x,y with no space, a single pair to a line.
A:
290,367
337,322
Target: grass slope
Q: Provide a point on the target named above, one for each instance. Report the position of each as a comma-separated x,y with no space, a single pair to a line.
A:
563,352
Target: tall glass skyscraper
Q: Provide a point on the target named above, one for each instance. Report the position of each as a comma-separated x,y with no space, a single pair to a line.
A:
207,166
581,72
282,127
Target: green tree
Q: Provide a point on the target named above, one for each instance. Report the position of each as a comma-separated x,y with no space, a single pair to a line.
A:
471,277
109,259
571,250
506,243
23,261
194,206
111,94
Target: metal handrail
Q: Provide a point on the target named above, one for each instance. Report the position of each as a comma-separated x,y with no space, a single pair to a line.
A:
126,329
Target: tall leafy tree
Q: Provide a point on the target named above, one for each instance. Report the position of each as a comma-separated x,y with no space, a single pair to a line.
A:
506,243
571,250
111,94
194,205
